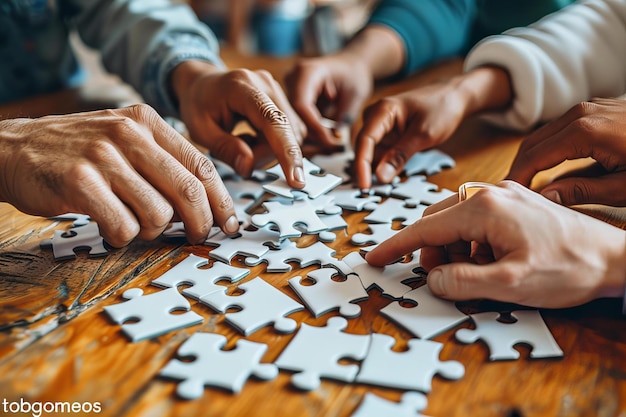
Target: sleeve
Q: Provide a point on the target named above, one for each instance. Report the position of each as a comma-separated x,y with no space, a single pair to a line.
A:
567,57
430,29
143,40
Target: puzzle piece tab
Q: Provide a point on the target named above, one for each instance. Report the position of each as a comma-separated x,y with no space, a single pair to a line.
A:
394,209
215,367
153,312
375,406
314,360
64,243
431,162
285,217
501,337
315,185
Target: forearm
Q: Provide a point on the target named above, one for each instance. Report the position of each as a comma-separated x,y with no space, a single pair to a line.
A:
484,89
379,48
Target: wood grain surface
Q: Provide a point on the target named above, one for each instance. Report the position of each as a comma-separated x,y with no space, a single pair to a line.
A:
56,344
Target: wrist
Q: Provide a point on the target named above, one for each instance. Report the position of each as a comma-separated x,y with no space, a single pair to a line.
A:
484,88
379,49
9,135
183,76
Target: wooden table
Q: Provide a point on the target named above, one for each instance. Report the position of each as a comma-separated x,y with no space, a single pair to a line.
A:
56,344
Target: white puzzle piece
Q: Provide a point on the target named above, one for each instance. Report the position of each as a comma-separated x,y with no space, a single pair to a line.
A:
351,198
501,337
314,353
285,217
64,243
416,190
409,406
431,162
261,304
153,312
394,209
214,367
317,253
337,164
246,242
391,279
202,281
410,370
177,230
326,295
380,233
315,185
429,317
79,219
334,223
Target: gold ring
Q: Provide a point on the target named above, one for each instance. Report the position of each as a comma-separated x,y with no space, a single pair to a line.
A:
468,189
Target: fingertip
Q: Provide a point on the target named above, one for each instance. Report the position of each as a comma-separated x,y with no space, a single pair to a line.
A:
298,177
386,172
435,281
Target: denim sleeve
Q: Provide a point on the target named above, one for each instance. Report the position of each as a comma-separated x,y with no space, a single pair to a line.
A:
143,40
431,30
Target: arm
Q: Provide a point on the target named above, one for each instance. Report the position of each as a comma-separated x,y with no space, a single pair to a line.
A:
559,259
559,61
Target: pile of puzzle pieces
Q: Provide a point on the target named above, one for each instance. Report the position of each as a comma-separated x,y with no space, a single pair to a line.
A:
338,285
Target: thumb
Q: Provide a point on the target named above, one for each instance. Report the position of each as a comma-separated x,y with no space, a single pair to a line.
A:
465,281
581,190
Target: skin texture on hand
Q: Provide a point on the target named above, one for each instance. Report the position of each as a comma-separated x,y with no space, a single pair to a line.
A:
396,127
510,244
126,168
595,129
213,101
336,86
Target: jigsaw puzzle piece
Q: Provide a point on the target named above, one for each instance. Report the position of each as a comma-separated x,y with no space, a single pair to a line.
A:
392,279
410,370
429,316
177,230
153,312
64,243
246,242
337,164
431,162
351,198
380,233
261,304
416,190
79,219
202,281
529,328
214,367
315,185
317,253
394,209
409,406
326,294
285,217
314,360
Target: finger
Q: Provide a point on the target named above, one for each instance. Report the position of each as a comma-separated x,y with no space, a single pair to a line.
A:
264,115
466,281
564,144
594,190
393,161
378,122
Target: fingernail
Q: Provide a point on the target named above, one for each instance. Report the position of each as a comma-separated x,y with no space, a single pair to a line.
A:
386,172
231,226
552,195
298,174
435,282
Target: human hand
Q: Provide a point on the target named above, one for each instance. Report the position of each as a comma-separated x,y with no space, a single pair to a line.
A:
510,244
338,84
595,129
126,168
213,101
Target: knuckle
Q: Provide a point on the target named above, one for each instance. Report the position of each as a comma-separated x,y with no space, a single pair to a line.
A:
191,189
205,169
580,192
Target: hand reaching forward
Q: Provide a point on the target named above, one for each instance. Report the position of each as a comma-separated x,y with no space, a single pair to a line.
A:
126,168
212,101
595,129
510,244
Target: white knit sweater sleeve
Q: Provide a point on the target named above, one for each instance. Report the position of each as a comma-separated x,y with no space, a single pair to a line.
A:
567,57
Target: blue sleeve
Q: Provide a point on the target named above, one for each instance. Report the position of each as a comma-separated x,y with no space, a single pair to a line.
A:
430,29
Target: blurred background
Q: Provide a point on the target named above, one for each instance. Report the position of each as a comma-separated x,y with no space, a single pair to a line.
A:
284,27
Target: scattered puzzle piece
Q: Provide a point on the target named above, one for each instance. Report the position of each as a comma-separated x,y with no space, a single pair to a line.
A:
202,281
429,317
314,360
79,219
64,243
410,370
501,337
380,233
153,312
353,199
375,406
285,217
246,242
228,369
337,164
326,294
391,279
432,162
317,253
394,209
416,190
261,304
315,185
